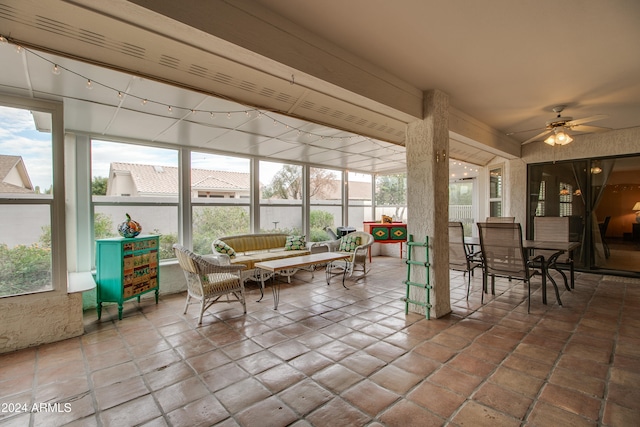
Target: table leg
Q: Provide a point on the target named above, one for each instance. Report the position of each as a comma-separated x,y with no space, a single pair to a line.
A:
275,289
544,281
571,275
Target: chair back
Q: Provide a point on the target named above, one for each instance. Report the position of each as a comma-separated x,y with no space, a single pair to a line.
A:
502,249
458,259
550,229
185,259
501,219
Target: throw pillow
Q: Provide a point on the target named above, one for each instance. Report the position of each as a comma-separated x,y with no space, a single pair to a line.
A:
349,243
295,243
223,248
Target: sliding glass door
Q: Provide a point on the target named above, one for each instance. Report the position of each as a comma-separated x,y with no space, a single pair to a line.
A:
598,196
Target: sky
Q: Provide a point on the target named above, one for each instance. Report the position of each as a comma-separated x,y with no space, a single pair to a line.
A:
18,137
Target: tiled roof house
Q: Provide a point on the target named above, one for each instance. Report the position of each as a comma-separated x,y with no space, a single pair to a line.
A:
134,179
14,177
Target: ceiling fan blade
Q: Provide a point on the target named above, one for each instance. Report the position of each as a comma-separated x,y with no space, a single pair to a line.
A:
589,129
576,122
537,137
523,131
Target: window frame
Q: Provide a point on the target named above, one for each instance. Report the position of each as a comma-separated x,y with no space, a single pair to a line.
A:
56,202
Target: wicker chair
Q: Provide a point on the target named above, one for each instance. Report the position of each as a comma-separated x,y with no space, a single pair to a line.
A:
207,280
358,260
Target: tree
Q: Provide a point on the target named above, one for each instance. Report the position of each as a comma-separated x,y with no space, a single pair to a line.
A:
287,183
391,190
213,222
99,186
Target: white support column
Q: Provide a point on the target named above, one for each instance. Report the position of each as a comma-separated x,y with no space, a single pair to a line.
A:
427,153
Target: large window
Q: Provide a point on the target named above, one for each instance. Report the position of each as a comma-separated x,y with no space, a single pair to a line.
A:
325,194
391,196
220,198
26,202
495,192
360,199
281,187
137,180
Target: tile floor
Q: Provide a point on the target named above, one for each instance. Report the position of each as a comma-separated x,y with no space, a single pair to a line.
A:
336,357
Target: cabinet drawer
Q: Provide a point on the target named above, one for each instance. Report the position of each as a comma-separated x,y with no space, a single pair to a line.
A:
380,233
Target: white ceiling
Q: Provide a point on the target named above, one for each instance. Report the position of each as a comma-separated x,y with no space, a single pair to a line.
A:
503,63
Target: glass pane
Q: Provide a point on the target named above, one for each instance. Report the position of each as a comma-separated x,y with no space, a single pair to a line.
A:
213,222
162,220
25,249
360,191
280,181
26,168
322,217
26,173
125,171
275,218
495,183
461,204
615,192
223,178
391,196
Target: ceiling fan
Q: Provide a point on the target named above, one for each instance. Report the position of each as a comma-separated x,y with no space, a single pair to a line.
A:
559,126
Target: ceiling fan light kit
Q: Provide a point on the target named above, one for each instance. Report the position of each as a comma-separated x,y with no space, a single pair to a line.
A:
559,127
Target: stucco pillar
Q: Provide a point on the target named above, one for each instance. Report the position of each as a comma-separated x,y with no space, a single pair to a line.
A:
427,148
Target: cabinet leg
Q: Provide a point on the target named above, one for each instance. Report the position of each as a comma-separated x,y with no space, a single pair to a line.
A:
99,308
119,311
157,292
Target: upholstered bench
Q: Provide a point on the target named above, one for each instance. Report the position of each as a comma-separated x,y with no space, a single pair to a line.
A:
249,249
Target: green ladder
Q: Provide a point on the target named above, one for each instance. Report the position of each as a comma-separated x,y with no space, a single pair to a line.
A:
426,286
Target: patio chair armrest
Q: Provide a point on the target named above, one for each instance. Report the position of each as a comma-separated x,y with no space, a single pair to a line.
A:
209,265
221,259
332,245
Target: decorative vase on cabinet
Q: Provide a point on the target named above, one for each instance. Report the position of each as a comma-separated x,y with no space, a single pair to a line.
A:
126,268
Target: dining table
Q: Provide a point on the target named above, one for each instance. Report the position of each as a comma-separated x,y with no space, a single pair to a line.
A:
558,247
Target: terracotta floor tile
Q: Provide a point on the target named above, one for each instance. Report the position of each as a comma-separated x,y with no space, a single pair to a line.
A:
455,380
370,397
527,366
338,413
503,400
416,363
516,381
395,379
180,394
202,412
242,394
475,414
362,363
337,378
616,415
472,365
544,414
335,356
571,401
407,413
133,412
441,401
305,396
278,414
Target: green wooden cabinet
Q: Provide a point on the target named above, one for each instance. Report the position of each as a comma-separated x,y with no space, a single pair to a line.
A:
125,269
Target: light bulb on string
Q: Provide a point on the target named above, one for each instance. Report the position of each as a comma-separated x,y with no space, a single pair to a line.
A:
229,115
18,48
213,116
56,70
170,110
3,39
143,102
120,95
89,84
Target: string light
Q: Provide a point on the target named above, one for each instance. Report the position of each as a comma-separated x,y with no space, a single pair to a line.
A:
56,69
